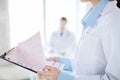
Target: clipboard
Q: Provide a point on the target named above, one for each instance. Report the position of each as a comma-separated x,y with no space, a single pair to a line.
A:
3,57
52,63
29,55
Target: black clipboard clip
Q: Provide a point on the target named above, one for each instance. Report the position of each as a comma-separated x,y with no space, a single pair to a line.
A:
3,55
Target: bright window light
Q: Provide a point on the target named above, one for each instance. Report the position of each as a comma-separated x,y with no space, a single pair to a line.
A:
26,18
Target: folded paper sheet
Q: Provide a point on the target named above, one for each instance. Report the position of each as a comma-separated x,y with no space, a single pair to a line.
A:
29,53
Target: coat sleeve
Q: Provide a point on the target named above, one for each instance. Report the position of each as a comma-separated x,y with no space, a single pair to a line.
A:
67,62
111,47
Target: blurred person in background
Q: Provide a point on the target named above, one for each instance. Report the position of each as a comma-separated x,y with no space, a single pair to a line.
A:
62,41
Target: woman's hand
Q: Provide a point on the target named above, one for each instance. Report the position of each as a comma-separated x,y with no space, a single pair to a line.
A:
56,59
49,73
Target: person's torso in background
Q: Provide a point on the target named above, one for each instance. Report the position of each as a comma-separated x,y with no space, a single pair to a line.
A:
63,43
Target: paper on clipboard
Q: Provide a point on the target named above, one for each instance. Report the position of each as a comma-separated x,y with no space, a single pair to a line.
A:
29,53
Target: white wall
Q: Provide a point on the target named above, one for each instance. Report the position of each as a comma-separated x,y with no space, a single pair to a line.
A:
4,26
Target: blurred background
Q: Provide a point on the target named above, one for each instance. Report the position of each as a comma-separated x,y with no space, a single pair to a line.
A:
20,19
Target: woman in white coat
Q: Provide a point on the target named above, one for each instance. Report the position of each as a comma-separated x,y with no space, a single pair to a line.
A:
98,53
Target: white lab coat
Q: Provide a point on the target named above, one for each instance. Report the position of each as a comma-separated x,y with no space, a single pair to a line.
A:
62,43
98,55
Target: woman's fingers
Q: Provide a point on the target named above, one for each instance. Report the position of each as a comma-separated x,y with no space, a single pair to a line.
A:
56,59
49,59
49,73
45,75
41,74
47,68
